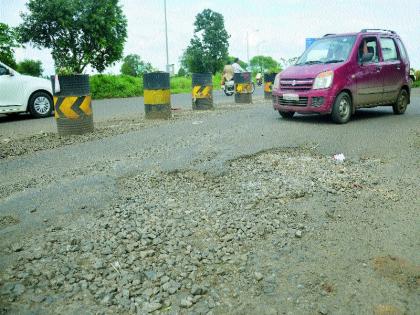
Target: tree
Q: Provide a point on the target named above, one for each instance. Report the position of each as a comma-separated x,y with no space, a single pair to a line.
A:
30,67
182,72
208,49
264,64
8,43
134,66
79,32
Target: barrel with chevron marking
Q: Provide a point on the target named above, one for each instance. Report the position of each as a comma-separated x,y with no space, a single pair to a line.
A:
157,95
243,87
202,91
268,84
72,104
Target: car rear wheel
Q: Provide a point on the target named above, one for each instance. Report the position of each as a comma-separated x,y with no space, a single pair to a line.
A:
286,115
401,105
40,105
342,107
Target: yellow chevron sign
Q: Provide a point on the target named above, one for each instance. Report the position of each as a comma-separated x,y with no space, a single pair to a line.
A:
201,91
267,86
72,107
243,88
157,97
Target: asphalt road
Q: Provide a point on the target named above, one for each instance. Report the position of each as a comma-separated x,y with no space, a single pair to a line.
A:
69,184
371,132
23,124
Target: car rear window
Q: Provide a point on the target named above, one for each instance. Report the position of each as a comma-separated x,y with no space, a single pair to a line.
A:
402,50
389,51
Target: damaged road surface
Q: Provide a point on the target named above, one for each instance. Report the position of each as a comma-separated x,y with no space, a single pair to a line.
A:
232,211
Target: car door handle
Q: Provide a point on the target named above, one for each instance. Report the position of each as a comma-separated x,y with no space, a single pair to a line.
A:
398,67
378,68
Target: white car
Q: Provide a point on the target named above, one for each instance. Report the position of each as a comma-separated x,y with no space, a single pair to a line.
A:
22,93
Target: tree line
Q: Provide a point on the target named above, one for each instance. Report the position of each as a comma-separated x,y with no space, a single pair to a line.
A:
93,33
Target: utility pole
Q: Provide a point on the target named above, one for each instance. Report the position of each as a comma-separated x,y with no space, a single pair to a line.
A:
166,36
247,45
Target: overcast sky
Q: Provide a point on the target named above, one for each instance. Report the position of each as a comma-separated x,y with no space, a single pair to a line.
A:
276,28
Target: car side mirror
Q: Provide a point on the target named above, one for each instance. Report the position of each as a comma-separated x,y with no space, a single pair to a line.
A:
4,71
367,57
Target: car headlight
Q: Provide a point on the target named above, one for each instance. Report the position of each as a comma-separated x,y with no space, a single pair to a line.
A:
276,84
323,80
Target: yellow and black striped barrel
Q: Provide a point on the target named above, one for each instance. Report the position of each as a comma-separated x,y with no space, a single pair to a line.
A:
202,91
157,95
243,88
72,104
268,84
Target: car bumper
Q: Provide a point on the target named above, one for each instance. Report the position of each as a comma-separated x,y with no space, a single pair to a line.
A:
311,101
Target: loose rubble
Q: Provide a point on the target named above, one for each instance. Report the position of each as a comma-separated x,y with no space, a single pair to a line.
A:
184,240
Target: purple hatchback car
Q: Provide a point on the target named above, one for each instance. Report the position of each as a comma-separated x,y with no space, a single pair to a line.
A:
338,74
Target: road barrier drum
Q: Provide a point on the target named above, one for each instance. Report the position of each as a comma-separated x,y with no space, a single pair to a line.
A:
157,95
72,104
268,84
202,91
243,87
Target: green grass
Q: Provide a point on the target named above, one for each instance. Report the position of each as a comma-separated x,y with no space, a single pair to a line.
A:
115,86
120,86
416,84
180,85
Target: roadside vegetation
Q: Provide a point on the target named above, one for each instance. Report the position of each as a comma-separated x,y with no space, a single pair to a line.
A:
104,86
416,84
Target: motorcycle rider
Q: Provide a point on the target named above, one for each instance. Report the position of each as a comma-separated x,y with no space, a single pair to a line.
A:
228,72
258,78
236,66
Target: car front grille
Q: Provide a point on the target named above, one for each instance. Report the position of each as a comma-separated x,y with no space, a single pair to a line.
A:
296,85
303,101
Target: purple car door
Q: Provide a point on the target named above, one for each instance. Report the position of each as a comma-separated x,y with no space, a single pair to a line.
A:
369,74
393,69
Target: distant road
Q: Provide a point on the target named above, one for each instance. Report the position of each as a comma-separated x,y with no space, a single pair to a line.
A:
102,110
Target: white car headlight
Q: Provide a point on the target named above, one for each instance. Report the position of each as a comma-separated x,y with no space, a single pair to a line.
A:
276,84
323,80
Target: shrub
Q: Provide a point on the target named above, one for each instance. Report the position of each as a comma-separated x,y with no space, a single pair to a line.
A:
30,67
115,86
180,85
417,74
120,86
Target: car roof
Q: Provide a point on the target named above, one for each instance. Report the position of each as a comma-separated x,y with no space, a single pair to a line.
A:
388,33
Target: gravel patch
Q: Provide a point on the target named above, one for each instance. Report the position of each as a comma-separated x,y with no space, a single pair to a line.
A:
185,241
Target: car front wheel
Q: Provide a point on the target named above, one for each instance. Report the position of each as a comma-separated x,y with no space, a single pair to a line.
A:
341,111
40,105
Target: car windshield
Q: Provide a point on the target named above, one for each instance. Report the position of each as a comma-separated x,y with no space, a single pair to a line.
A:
328,50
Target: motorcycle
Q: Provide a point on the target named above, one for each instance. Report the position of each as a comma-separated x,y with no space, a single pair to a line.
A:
229,88
259,81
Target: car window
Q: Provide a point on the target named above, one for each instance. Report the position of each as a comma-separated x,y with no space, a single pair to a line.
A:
402,50
389,51
328,50
369,45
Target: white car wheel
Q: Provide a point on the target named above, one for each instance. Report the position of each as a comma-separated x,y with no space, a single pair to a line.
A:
40,105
